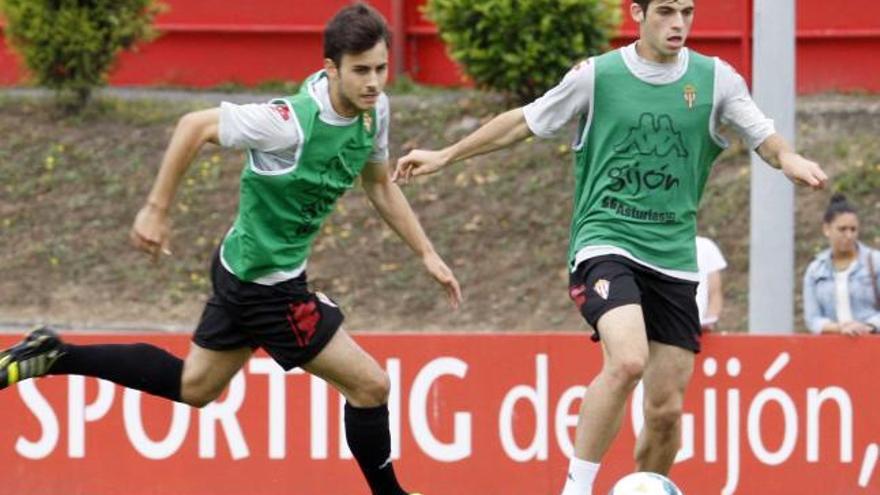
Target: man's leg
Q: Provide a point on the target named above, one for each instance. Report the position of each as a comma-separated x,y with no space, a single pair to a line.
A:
625,354
206,373
365,387
196,381
666,377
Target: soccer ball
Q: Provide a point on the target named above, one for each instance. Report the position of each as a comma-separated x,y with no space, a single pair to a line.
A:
644,484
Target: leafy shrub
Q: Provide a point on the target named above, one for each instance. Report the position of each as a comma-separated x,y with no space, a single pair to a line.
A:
859,180
523,47
71,45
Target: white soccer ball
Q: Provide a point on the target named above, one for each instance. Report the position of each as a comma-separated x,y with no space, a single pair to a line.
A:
645,484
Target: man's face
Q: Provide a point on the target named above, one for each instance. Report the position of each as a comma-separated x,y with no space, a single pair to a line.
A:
359,79
665,26
843,233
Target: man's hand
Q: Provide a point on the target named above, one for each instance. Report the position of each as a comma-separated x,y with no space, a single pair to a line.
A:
801,171
442,274
418,162
502,131
150,232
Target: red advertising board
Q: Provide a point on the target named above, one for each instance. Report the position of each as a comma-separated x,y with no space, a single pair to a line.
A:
470,414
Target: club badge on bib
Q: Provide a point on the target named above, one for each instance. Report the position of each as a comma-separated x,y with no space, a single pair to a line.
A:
368,122
690,95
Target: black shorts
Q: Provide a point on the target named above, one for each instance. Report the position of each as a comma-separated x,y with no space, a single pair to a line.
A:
292,324
669,305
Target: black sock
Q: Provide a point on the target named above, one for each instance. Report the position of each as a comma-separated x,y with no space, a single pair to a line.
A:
139,366
369,439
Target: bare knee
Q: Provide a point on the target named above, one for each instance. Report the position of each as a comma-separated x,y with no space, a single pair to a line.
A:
371,391
663,418
197,391
627,372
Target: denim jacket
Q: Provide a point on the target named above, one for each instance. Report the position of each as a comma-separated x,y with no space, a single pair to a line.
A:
819,290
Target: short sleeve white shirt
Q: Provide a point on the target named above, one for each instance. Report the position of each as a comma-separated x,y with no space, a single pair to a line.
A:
573,96
271,132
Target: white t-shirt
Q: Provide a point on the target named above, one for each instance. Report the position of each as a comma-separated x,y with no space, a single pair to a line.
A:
841,294
709,260
274,135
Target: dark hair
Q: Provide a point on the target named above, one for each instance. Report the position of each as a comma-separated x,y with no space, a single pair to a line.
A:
838,206
354,29
643,4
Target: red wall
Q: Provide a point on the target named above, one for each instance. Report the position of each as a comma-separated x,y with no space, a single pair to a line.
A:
470,413
263,40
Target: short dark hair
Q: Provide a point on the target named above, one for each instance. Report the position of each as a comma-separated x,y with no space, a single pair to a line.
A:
838,206
643,4
354,29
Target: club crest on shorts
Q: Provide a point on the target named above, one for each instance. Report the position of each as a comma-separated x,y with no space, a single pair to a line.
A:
690,95
368,122
602,287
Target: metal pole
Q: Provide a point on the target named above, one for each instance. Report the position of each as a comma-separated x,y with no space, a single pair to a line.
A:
771,265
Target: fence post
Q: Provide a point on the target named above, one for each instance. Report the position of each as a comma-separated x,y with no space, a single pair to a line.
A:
771,246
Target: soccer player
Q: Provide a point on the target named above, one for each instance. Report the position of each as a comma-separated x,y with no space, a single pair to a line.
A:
649,114
302,153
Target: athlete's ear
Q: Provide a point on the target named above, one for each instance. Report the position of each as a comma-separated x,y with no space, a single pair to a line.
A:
636,12
330,67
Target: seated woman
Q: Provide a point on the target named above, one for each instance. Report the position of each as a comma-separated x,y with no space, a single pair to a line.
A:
841,286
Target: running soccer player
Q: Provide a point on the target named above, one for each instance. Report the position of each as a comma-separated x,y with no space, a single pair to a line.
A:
649,114
303,152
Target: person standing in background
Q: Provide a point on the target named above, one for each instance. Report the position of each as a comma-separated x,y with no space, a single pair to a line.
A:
841,294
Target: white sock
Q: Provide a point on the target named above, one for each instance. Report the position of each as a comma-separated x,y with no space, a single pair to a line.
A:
580,477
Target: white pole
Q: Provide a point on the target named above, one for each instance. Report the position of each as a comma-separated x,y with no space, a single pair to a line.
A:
771,252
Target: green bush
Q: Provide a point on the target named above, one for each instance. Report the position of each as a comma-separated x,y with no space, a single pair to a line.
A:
523,47
71,45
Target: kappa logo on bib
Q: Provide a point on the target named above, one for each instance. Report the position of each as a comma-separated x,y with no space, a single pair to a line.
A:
654,135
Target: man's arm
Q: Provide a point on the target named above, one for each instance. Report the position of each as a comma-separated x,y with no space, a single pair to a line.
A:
776,151
543,117
739,110
150,230
393,207
502,131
